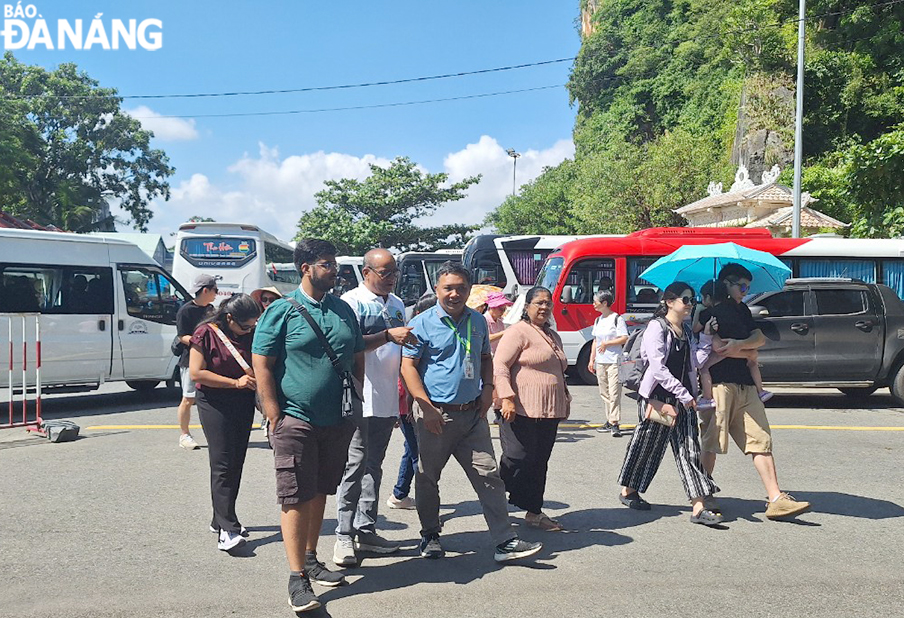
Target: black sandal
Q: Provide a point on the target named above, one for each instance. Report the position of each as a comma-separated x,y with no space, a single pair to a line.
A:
634,501
707,518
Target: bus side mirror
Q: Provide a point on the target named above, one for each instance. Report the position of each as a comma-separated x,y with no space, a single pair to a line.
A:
566,295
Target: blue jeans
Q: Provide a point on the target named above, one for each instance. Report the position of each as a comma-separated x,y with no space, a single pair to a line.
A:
409,458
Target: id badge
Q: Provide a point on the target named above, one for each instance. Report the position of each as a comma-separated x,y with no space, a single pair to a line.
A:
469,368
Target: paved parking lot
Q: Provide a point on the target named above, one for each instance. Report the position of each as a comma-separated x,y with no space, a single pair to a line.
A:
115,524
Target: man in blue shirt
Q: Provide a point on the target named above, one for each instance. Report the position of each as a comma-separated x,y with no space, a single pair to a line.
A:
449,373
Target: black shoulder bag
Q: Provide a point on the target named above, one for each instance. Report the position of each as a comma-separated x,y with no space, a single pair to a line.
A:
351,391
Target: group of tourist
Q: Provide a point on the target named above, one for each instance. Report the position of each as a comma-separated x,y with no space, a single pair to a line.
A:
334,376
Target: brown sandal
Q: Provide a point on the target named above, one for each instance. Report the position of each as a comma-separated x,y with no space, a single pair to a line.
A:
542,521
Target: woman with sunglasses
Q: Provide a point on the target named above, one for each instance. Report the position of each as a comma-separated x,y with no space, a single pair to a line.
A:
667,410
265,296
220,363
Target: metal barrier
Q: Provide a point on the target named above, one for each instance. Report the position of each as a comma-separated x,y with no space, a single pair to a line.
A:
15,420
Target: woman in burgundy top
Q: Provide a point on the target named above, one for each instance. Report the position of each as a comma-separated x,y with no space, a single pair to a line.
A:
226,389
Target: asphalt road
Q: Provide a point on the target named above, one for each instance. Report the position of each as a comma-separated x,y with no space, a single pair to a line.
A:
115,524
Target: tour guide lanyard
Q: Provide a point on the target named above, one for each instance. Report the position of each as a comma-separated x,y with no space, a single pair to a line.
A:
465,342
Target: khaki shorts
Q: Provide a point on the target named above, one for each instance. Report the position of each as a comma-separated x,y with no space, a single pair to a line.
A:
740,414
309,460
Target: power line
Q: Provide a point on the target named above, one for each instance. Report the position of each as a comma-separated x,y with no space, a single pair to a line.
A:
356,107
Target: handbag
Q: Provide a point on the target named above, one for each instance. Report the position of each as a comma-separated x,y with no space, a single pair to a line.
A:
351,391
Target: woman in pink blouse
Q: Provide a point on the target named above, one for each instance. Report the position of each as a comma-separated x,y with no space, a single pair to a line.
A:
529,370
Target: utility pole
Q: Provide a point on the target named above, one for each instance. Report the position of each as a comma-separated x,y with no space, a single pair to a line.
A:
514,155
799,120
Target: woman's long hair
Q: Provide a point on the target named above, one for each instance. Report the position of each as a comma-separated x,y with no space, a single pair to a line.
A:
241,306
671,292
531,294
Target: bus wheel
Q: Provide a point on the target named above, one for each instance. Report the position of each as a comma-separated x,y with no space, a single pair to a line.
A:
142,386
587,376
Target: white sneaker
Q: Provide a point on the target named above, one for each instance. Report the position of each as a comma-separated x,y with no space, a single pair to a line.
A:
404,503
187,442
229,540
344,552
244,531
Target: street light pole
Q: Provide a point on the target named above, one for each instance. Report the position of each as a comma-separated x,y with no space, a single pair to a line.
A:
514,155
799,120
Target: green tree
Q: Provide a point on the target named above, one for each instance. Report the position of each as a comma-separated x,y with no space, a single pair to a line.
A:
72,151
542,207
875,185
382,210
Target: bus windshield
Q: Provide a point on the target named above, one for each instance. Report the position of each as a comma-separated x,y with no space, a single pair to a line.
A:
550,273
218,252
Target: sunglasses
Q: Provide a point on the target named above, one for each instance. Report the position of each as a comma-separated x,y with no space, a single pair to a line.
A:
743,287
266,300
384,274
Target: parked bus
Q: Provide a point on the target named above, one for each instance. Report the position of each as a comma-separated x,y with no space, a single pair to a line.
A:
107,310
417,272
576,270
509,262
241,256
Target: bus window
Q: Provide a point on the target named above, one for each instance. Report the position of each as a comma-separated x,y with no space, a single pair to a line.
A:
219,252
150,295
893,275
346,279
411,283
864,270
275,253
586,278
641,294
527,263
549,274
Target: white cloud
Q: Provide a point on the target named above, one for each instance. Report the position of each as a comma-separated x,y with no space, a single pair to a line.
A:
488,158
274,192
165,129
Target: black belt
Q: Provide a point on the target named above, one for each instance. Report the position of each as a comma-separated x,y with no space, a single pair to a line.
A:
455,407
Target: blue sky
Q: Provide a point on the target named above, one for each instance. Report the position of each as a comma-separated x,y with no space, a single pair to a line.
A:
266,169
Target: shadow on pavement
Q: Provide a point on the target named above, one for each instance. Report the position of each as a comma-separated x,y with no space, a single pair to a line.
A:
880,400
616,518
469,557
849,505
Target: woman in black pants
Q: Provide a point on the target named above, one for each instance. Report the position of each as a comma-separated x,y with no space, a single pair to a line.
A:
220,364
667,411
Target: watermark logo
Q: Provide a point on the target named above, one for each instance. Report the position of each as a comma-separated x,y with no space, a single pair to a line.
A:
25,28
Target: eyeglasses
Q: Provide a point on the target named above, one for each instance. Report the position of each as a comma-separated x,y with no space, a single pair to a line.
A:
743,287
384,274
688,300
327,265
542,303
244,327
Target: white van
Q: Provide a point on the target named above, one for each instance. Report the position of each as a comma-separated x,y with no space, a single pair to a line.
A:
107,310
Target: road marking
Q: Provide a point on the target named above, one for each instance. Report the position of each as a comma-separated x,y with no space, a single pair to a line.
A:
563,425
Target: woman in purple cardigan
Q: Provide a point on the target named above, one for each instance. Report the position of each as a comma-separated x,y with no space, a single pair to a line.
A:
667,393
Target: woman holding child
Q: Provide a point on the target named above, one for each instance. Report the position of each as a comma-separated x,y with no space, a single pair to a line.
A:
667,410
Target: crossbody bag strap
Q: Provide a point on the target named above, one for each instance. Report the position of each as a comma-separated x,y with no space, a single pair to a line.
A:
334,360
235,353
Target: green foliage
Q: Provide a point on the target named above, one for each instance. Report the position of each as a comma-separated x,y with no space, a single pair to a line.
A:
381,210
875,184
660,83
67,149
542,207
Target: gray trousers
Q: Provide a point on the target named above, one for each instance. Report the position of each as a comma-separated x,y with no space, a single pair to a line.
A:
465,436
358,497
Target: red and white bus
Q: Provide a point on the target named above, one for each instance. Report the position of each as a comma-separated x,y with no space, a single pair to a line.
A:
577,269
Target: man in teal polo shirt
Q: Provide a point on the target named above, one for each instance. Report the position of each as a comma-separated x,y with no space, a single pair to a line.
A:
301,396
449,373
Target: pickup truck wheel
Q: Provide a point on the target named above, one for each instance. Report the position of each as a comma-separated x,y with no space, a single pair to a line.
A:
859,391
142,386
897,386
581,367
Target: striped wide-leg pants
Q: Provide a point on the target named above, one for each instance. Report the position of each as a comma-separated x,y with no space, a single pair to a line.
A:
647,447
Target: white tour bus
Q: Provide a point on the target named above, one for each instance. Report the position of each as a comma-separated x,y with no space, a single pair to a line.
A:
241,256
107,310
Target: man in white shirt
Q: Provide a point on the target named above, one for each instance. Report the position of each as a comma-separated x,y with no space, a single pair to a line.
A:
381,316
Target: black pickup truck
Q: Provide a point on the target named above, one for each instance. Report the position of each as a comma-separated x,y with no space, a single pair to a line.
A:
842,333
